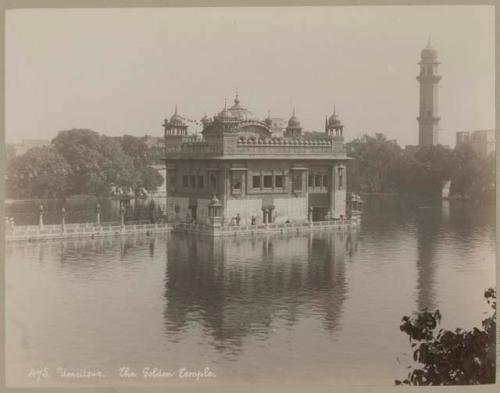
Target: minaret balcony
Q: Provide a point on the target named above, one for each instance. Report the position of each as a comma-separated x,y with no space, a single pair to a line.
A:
429,78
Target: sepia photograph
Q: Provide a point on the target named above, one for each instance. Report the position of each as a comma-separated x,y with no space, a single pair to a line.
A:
215,197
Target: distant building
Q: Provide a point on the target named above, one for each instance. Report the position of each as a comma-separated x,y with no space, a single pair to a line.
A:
22,147
482,141
463,137
428,118
257,175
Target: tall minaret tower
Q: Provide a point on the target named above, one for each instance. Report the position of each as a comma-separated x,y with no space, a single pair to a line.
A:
428,117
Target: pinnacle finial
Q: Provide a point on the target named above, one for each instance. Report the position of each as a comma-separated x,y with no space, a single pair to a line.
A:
175,109
237,98
225,103
269,113
293,111
334,110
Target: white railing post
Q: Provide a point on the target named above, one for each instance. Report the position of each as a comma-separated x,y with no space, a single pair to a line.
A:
98,211
122,214
63,215
40,220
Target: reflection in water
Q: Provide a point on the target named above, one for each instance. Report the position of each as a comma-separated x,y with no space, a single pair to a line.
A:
428,228
239,286
312,306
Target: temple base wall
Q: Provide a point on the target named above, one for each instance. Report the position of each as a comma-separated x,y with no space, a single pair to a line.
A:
290,209
340,204
177,209
246,208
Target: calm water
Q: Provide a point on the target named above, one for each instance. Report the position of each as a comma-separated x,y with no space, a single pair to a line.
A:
323,307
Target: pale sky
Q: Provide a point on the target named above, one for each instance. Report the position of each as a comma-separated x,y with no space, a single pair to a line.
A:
120,71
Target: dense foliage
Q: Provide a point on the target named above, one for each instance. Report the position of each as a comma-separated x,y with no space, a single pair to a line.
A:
460,357
82,162
40,173
382,166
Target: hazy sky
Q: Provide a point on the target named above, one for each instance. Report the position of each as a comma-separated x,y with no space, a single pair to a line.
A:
121,71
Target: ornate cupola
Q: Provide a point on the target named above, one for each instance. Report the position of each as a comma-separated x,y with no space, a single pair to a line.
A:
294,129
205,120
333,125
226,119
175,127
268,120
240,112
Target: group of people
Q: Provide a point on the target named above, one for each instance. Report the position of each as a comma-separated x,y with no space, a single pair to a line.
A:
236,220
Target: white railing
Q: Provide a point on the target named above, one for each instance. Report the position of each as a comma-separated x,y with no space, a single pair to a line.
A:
34,232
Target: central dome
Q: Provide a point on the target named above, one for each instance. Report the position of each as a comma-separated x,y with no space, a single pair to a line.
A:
240,112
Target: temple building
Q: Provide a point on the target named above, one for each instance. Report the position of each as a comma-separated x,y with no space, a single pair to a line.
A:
255,172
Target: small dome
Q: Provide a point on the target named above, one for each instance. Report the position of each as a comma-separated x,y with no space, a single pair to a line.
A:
215,201
333,120
429,53
268,120
226,116
176,119
205,120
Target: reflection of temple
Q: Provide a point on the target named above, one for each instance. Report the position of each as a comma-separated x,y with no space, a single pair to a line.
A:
241,286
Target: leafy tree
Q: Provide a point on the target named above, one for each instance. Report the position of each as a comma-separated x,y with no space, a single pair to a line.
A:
451,357
381,166
97,161
136,148
41,173
373,164
433,165
473,176
149,178
10,153
142,156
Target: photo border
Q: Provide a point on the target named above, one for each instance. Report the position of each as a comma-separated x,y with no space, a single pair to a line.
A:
7,5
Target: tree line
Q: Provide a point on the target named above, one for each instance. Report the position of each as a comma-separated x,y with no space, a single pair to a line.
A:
81,161
379,165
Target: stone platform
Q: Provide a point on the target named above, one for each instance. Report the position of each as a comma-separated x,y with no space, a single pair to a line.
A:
34,232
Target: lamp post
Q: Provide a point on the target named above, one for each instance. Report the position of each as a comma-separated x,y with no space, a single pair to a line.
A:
98,211
63,215
122,214
40,220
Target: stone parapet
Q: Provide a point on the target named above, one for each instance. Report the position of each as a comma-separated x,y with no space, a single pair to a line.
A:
310,147
246,230
47,232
